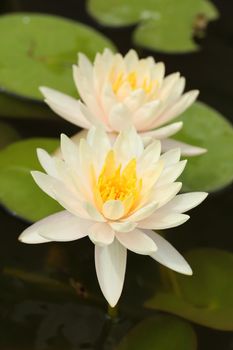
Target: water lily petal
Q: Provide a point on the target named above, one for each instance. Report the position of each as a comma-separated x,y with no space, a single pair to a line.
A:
186,201
171,157
168,85
149,156
131,60
65,106
176,91
123,226
146,114
128,145
172,97
179,107
83,76
59,171
86,91
171,173
101,234
31,236
51,185
186,150
98,139
85,65
135,99
137,241
110,262
108,100
124,90
64,174
62,194
150,176
163,132
94,214
164,194
86,162
113,209
143,212
85,156
100,145
70,152
45,182
90,115
61,226
101,66
163,219
167,255
157,72
47,162
119,117
169,94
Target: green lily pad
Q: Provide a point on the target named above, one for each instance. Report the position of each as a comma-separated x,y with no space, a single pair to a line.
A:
205,127
18,191
164,25
40,50
163,332
13,107
7,134
204,298
39,282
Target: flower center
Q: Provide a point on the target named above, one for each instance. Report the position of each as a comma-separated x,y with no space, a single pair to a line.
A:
132,79
115,183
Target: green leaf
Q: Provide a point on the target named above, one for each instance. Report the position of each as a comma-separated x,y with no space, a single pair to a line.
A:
18,191
207,8
204,298
40,50
205,127
39,282
7,134
161,333
164,25
13,107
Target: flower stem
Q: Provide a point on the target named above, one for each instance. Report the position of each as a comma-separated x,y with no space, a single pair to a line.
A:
111,320
113,312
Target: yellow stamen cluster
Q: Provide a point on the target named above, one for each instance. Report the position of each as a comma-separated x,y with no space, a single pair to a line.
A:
132,79
115,183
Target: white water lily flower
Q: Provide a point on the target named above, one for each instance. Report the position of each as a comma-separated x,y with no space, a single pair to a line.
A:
119,92
115,194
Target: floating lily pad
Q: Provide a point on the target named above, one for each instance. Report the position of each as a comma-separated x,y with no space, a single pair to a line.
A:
164,25
161,333
18,191
205,127
206,297
39,282
40,50
7,134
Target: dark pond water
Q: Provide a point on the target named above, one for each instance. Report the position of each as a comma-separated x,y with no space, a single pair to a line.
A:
32,316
